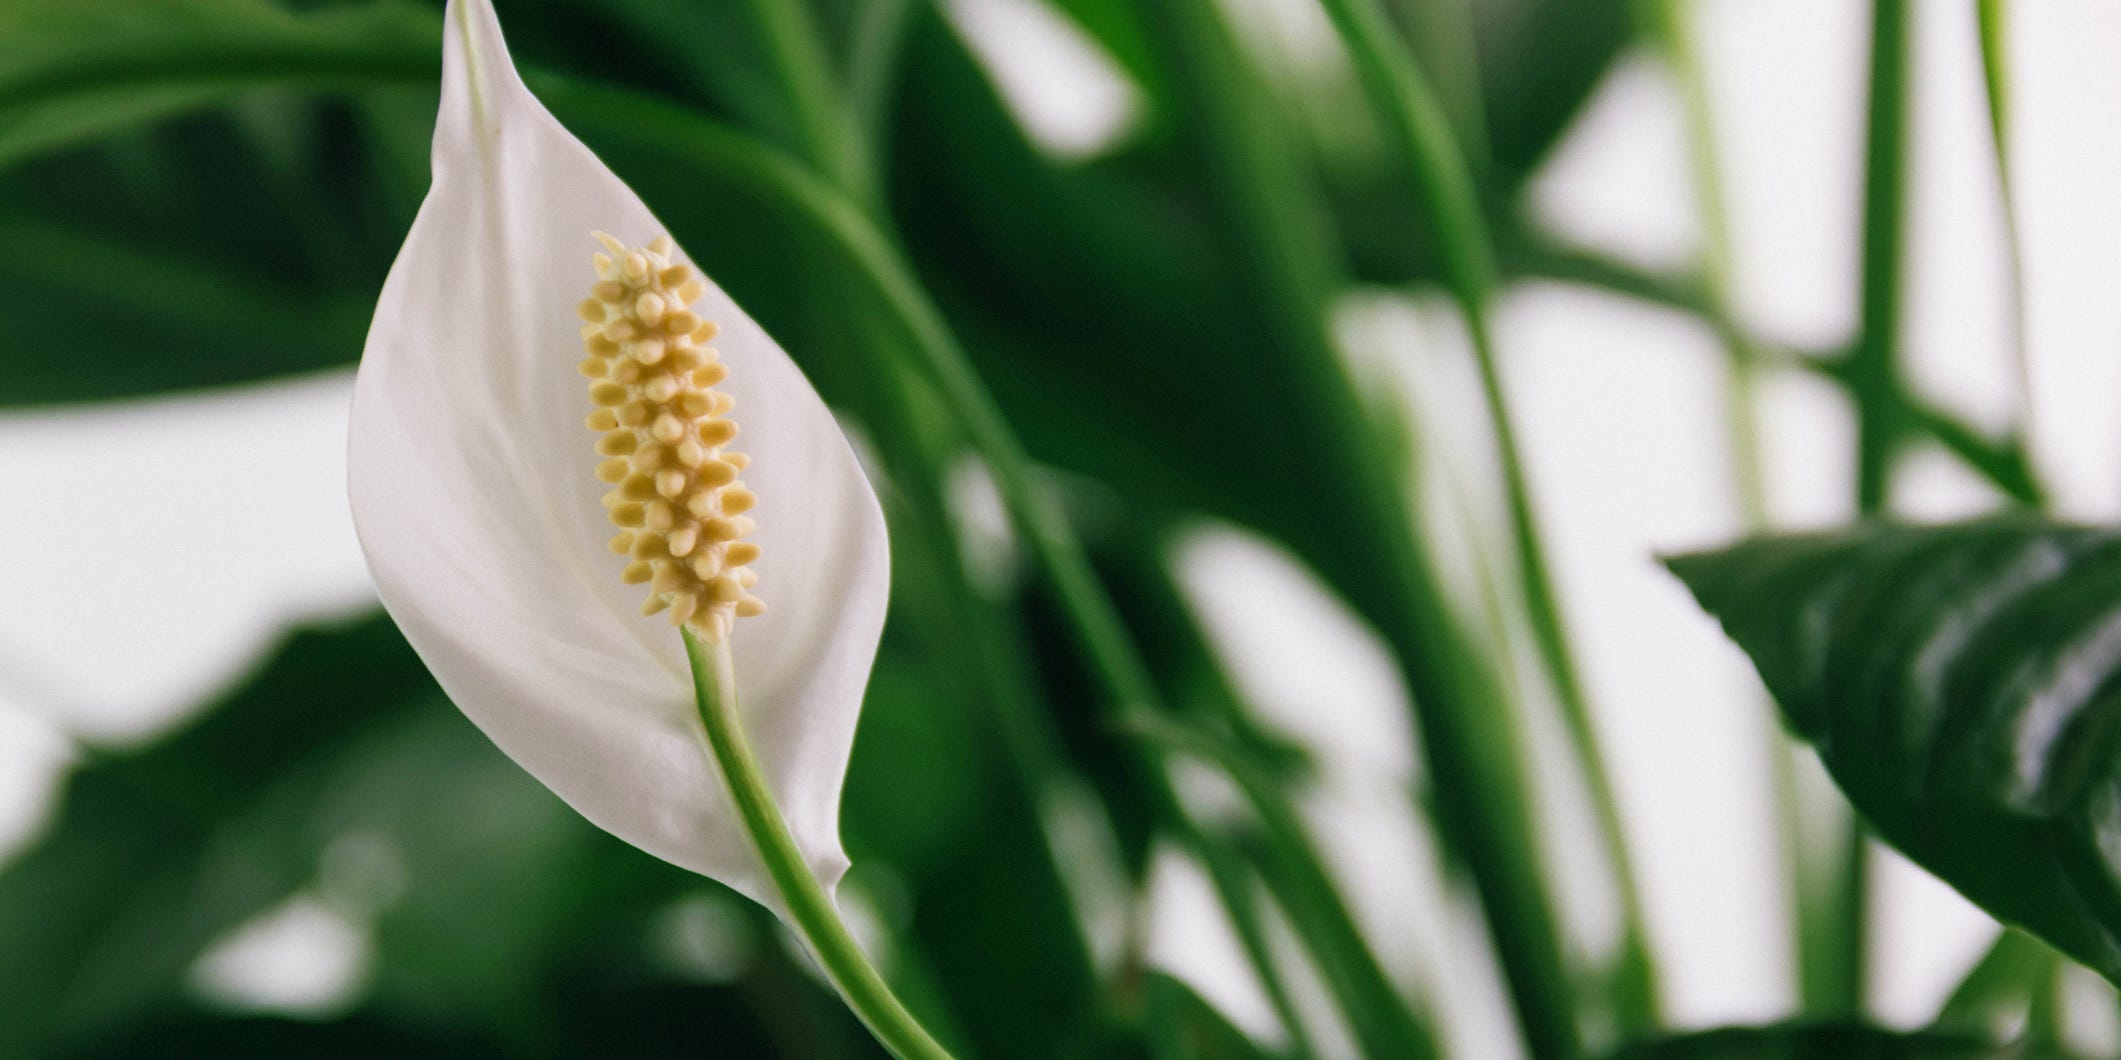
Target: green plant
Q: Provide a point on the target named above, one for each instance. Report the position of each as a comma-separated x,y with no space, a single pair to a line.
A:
1123,346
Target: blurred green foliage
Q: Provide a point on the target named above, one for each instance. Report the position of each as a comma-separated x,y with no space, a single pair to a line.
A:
502,923
1798,1041
211,191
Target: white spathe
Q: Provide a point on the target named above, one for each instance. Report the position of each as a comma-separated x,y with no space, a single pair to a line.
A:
471,477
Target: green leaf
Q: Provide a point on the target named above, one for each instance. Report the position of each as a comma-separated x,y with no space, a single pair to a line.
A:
219,248
73,69
1962,684
2003,983
1101,307
1184,1026
153,854
338,770
196,1036
489,877
1539,63
174,320
1284,854
1823,1041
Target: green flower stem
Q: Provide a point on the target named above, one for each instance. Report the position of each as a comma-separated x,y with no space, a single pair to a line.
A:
1232,882
935,357
1444,189
1469,730
2047,1017
1214,715
807,904
2005,463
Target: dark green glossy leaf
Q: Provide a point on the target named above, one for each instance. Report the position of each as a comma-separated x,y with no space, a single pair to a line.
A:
1821,1041
1963,686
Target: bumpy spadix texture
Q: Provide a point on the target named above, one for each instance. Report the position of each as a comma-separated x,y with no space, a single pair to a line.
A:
675,492
473,490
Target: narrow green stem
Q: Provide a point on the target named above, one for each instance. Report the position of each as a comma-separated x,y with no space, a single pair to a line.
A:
1672,22
1445,191
1044,530
812,910
1469,731
1874,380
1873,369
2046,1015
936,360
824,122
962,620
1441,34
1817,943
2001,983
1995,75
1029,733
1837,957
798,53
2003,462
1234,885
1290,864
879,47
834,130
1809,946
1213,713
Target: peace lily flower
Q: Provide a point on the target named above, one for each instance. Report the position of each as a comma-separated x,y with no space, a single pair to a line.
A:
485,507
